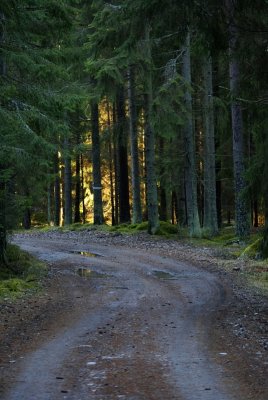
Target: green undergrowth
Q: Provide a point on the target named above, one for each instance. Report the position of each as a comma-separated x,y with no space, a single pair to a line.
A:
21,275
225,240
228,242
257,276
165,229
241,256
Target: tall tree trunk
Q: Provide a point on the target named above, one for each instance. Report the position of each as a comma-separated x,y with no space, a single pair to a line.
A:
144,174
189,143
177,178
3,235
83,188
77,217
135,168
162,188
152,201
210,206
264,242
3,64
49,203
97,188
116,168
218,194
111,159
242,218
67,183
256,214
218,163
27,219
174,206
123,183
57,199
111,182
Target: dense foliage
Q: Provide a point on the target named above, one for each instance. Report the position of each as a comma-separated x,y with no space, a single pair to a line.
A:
142,110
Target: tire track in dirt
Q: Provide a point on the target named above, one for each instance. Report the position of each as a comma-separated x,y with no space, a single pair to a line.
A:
142,332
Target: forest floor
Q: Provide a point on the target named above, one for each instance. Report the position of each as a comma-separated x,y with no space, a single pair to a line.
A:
133,317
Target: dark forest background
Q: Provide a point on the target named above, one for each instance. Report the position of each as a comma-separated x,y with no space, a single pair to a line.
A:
128,111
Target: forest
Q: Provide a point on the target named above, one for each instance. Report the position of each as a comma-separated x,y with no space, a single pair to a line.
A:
127,111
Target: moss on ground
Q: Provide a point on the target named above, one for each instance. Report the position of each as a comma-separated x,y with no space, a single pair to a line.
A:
22,274
165,228
253,248
257,275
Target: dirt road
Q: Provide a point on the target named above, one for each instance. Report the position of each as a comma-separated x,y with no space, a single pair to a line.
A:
125,324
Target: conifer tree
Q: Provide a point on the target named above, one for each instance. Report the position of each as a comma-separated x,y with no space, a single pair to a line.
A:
210,209
135,168
189,143
122,156
152,201
241,208
97,188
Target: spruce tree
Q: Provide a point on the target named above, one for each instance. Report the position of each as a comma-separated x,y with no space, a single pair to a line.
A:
210,208
97,188
241,207
189,143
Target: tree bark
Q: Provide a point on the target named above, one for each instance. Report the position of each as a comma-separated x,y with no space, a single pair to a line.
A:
210,205
111,167
256,213
218,162
49,187
77,217
162,188
151,186
3,234
57,199
175,208
116,168
123,183
97,188
242,218
135,167
27,219
189,143
3,64
83,188
67,183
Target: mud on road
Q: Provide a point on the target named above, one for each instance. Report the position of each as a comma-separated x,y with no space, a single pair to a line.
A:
129,319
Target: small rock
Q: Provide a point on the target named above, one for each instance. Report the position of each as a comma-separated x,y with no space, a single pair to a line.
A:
236,268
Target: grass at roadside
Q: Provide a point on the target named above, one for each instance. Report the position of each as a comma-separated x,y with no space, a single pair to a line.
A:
22,274
243,257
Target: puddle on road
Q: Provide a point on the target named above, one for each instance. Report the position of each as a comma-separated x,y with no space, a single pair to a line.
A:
164,275
85,253
89,273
